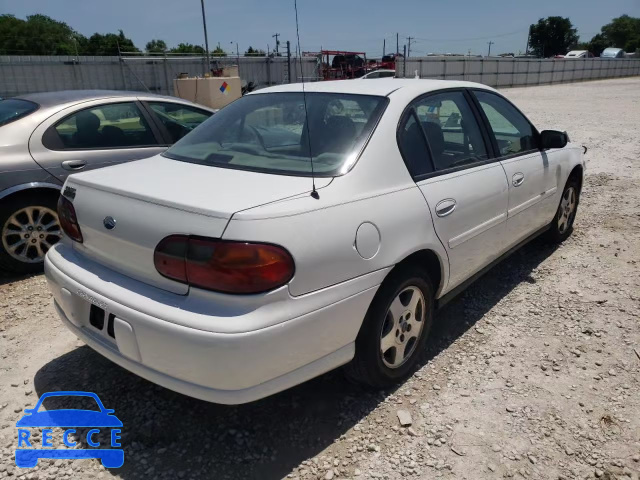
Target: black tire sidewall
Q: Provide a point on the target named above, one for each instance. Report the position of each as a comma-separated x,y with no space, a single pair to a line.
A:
554,232
368,341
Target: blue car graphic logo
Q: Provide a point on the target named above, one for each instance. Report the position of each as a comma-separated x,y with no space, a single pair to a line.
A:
28,457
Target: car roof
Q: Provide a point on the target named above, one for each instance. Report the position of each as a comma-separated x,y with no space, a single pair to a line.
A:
62,97
381,87
576,52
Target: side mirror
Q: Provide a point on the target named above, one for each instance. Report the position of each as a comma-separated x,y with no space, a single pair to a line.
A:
553,139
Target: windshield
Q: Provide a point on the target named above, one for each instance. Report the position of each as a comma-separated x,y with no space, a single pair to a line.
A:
275,133
12,109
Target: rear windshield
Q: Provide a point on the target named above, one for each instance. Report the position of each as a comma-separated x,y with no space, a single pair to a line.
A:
13,108
275,133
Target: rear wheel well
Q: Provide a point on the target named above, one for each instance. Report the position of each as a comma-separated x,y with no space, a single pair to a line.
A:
428,261
33,193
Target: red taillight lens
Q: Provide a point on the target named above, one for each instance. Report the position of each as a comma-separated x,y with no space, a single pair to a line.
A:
169,257
68,220
223,266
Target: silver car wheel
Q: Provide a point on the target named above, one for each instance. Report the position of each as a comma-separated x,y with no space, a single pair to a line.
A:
402,327
30,232
567,209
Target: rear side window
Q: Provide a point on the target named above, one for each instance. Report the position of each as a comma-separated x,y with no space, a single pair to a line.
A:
512,131
414,147
178,119
14,108
117,125
454,137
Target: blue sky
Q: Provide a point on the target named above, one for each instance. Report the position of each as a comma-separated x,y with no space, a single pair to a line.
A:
358,25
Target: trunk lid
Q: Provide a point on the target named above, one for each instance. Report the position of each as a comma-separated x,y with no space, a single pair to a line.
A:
156,197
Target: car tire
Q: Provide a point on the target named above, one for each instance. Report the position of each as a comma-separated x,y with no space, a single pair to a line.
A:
562,223
381,361
32,221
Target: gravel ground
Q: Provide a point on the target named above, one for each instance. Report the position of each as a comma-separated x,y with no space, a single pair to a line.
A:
533,372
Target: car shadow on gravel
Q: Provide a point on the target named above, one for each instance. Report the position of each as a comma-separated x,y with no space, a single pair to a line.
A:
166,434
7,277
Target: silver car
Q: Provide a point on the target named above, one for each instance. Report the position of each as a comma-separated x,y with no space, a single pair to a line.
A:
46,136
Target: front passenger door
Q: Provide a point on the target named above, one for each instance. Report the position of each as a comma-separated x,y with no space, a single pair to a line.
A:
530,172
466,191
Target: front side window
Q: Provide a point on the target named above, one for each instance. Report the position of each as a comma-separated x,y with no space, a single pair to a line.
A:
278,133
454,137
13,108
512,131
117,125
178,119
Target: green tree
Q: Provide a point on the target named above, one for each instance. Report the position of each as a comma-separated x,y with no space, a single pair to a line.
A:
219,52
37,35
156,46
187,48
597,44
552,36
623,32
254,52
108,44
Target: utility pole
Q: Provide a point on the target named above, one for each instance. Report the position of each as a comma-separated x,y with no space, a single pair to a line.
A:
206,40
289,61
404,62
384,44
277,43
397,44
526,52
409,47
490,43
237,52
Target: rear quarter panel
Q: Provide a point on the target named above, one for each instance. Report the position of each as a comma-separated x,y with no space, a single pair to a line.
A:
17,167
323,241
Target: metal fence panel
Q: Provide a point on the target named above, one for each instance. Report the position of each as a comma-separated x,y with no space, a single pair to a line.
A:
507,72
32,73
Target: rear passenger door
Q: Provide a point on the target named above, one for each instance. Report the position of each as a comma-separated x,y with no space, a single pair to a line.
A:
530,172
94,135
444,147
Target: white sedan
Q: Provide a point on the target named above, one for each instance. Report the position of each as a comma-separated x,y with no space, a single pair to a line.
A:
305,228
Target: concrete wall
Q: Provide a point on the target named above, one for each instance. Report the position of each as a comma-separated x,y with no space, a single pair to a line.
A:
28,74
510,72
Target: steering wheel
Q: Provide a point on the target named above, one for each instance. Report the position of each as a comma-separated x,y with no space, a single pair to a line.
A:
258,136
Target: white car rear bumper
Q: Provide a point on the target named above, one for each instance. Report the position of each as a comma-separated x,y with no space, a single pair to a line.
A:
222,367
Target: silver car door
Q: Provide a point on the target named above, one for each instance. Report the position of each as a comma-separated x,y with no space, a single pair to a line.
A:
94,135
465,189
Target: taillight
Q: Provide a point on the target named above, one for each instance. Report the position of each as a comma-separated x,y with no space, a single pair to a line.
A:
223,266
68,219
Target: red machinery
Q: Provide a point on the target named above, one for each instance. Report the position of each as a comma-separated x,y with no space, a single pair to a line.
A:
338,64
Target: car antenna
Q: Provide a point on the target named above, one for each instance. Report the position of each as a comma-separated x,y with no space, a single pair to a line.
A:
314,192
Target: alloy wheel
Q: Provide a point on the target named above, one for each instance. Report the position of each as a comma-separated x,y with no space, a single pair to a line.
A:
30,232
567,209
402,327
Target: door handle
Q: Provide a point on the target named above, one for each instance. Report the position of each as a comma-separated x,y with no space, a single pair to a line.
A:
445,207
517,179
74,165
